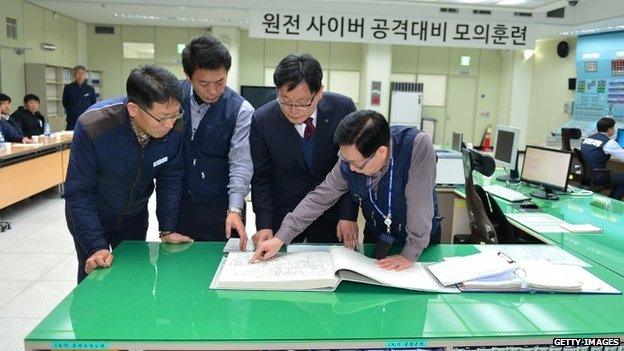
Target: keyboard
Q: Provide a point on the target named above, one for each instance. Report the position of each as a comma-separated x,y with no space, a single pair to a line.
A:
505,193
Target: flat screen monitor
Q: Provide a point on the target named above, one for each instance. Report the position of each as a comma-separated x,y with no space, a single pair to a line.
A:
257,95
458,139
547,168
620,137
506,150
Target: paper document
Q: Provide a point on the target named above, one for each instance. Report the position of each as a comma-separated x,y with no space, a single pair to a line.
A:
466,268
551,253
539,222
581,228
233,245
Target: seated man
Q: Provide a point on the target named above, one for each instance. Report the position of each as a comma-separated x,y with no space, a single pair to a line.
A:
10,130
598,149
28,117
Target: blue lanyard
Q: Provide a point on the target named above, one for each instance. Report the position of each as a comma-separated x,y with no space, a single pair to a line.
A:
387,218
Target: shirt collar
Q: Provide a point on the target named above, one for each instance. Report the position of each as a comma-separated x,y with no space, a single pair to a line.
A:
142,137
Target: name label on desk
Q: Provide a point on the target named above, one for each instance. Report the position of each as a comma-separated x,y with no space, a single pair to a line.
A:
80,345
161,161
404,344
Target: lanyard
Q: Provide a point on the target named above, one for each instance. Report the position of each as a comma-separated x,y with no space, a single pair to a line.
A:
387,218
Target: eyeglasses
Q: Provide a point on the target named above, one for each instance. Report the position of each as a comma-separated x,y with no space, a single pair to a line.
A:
360,167
297,106
164,119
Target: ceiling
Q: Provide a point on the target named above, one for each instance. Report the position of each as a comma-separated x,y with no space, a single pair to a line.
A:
205,13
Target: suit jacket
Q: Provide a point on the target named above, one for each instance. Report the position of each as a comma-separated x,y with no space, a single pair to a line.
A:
281,176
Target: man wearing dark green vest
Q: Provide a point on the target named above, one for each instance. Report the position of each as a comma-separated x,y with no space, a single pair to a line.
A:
391,172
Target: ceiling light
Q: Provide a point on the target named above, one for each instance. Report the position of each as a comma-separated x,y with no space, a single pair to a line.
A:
619,54
465,61
591,55
527,54
510,2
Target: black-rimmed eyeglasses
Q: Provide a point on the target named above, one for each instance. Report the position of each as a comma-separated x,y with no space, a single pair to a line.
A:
351,163
164,119
297,106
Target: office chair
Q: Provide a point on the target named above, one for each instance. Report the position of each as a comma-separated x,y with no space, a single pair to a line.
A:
568,134
488,223
589,175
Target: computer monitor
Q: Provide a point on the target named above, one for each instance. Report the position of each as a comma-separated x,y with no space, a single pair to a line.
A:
458,139
506,151
547,168
257,95
620,137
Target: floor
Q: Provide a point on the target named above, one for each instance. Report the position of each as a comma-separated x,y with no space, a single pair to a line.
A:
38,263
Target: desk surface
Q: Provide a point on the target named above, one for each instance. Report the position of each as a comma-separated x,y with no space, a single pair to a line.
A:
606,248
158,293
20,150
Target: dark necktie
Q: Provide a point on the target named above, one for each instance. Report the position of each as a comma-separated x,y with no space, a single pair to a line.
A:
309,129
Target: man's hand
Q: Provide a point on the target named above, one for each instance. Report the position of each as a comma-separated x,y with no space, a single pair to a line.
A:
176,238
235,221
262,235
266,250
100,258
395,262
347,232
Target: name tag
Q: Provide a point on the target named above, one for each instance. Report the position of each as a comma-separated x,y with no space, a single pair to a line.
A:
87,94
161,161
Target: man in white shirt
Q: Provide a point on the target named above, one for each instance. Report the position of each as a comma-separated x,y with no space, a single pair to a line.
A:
598,148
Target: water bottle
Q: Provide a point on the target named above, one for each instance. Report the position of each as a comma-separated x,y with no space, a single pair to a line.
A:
47,132
2,146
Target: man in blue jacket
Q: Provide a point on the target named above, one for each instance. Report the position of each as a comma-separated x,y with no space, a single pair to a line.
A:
392,171
8,127
120,147
77,96
216,145
293,151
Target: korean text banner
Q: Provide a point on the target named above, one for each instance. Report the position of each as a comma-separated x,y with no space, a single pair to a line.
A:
390,30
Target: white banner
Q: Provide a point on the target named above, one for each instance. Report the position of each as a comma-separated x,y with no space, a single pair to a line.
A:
390,30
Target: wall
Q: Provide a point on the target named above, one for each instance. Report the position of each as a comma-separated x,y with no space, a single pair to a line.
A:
35,25
105,52
549,89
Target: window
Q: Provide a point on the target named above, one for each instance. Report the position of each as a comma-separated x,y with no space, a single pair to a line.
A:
138,50
11,28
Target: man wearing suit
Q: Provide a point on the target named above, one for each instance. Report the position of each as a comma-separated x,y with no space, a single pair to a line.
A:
292,152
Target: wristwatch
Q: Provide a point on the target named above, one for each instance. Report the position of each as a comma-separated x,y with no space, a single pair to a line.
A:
236,210
164,233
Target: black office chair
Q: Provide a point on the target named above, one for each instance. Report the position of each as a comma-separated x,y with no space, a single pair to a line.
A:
568,134
488,223
589,175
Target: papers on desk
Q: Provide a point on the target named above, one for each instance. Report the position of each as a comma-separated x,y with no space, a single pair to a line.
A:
544,276
545,223
233,245
32,145
552,253
481,265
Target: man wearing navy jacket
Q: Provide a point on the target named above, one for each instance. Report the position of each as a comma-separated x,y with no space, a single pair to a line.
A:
216,145
77,96
120,147
293,151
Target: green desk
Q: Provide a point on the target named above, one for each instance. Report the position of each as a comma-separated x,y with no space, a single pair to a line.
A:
606,248
156,297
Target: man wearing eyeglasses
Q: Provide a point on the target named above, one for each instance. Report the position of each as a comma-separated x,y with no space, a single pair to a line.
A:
120,147
216,146
293,151
392,171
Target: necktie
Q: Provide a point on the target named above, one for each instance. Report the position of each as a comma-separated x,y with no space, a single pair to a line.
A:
309,129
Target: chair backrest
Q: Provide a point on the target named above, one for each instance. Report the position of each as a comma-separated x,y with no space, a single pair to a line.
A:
481,228
585,170
505,233
568,134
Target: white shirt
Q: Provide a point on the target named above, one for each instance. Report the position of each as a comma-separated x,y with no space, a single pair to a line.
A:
301,127
614,149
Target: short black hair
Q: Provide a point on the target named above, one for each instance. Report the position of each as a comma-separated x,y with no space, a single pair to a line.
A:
29,97
150,83
605,123
4,97
79,67
296,68
366,129
205,52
